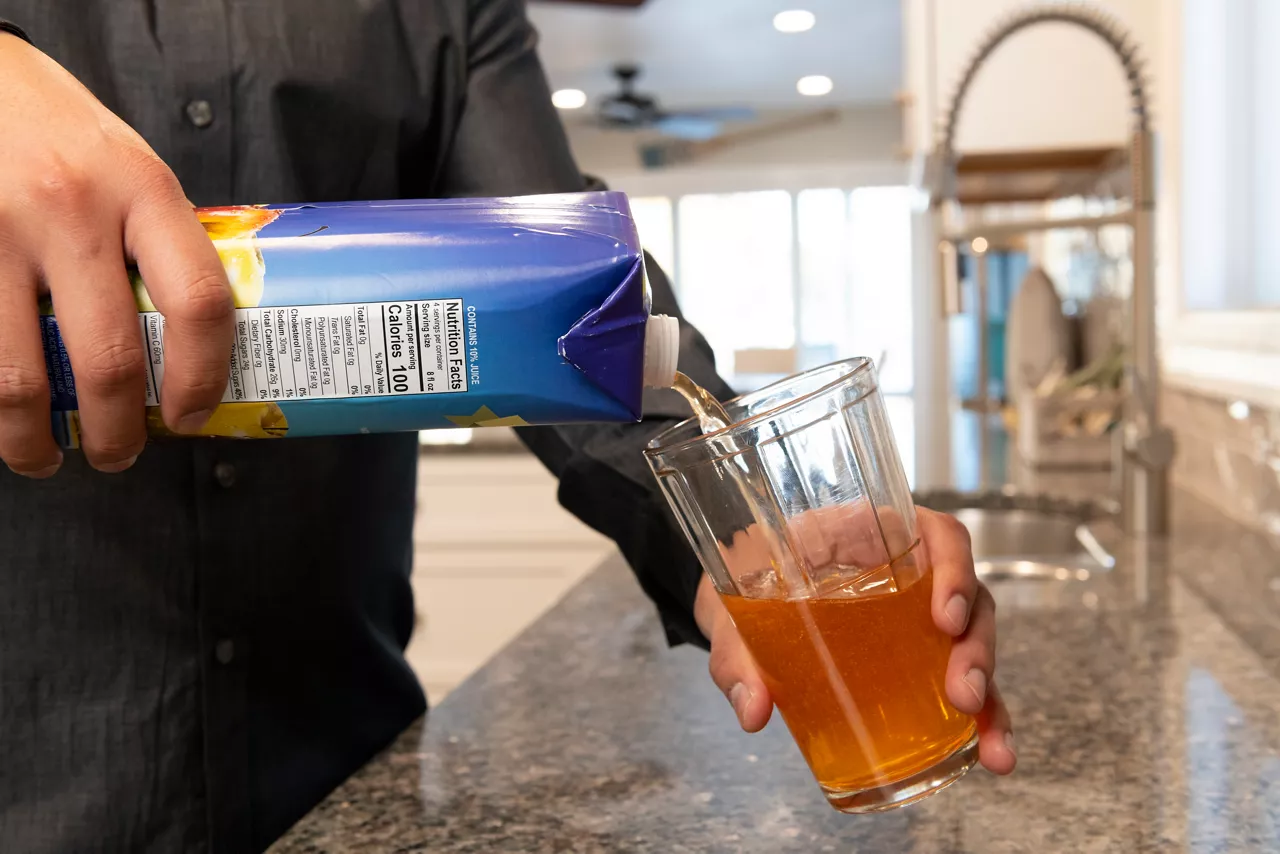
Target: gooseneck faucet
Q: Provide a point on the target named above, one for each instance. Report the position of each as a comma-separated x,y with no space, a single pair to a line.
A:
1147,446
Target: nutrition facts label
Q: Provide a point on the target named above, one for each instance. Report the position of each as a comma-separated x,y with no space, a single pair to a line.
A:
371,349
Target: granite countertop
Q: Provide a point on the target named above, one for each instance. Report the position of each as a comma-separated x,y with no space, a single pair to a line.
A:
1146,701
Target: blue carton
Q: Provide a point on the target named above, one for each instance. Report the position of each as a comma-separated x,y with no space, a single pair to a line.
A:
373,317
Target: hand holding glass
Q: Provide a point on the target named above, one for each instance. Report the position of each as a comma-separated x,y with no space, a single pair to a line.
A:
801,515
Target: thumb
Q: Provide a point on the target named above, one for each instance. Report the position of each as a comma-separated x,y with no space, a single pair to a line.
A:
735,673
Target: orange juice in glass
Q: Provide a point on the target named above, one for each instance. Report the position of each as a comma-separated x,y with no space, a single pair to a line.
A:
801,514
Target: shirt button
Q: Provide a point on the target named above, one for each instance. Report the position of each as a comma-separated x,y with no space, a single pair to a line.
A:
224,650
200,113
225,475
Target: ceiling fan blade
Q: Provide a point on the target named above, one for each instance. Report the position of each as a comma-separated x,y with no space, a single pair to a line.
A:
675,152
721,114
688,126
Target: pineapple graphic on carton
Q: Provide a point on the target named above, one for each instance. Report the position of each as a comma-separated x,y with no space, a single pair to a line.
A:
233,231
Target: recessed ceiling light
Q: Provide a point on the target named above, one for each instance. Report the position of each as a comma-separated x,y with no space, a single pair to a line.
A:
814,85
569,99
794,21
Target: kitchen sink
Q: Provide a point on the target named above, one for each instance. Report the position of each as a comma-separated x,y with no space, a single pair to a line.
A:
1029,537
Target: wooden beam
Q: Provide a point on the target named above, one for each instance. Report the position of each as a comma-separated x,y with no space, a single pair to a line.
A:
1046,160
1038,175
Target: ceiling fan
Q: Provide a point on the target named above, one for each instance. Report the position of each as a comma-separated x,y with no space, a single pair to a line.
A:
664,153
629,109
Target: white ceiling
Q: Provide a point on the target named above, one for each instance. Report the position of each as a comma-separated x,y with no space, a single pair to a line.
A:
706,53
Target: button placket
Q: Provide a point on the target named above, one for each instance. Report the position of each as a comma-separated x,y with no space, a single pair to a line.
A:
199,113
225,651
197,50
225,474
196,39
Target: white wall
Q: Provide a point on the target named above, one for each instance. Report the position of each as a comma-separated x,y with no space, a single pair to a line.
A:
1051,85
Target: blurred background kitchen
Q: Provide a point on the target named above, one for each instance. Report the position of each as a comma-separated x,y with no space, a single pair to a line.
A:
778,158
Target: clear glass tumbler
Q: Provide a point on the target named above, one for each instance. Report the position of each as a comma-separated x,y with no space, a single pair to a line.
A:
801,514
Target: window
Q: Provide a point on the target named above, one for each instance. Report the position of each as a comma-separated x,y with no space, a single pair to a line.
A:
824,295
880,278
855,279
735,282
821,275
1230,154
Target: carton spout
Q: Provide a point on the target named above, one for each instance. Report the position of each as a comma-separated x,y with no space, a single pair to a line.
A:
661,350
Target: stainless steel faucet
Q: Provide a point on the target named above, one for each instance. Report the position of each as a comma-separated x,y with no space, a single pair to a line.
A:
1147,446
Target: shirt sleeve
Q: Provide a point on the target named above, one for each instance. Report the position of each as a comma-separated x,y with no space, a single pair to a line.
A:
10,27
509,140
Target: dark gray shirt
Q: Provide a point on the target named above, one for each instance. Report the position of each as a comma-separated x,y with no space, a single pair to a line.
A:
194,652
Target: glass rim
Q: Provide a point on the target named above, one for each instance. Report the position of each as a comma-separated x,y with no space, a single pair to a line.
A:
857,365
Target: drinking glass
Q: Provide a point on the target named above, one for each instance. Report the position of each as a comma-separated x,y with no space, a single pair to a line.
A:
800,512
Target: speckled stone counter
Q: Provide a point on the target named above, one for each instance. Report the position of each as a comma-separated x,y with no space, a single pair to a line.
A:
1146,701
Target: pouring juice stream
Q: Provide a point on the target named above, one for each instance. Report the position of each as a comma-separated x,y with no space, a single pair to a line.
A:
751,482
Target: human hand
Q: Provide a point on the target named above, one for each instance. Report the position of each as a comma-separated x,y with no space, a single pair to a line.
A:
962,608
81,192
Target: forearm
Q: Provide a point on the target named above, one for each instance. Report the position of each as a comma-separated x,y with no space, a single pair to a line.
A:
606,482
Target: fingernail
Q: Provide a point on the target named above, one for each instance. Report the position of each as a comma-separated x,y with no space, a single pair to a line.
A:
116,468
193,422
977,682
1008,742
740,698
40,474
958,612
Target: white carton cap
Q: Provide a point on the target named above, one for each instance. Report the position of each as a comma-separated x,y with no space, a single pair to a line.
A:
661,350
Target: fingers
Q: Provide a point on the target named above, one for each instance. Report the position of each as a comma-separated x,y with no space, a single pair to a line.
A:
26,442
83,265
84,188
955,584
734,672
188,284
965,609
731,665
995,736
971,668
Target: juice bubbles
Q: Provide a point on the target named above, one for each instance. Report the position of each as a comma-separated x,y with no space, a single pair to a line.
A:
858,678
795,500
